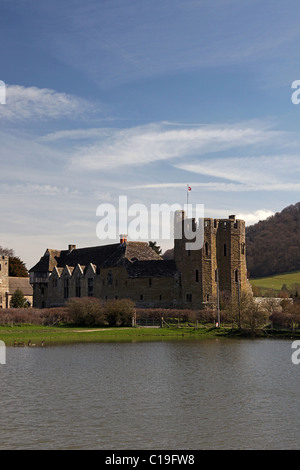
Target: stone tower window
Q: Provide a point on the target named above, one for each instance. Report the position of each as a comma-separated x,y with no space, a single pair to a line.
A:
66,288
90,287
225,249
236,275
109,278
243,248
197,275
206,248
78,287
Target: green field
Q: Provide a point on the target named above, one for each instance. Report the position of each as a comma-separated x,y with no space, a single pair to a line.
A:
276,282
47,336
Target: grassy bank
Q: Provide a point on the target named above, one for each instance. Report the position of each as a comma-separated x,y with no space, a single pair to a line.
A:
50,335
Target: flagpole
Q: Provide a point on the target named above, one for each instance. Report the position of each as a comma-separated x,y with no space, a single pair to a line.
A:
188,189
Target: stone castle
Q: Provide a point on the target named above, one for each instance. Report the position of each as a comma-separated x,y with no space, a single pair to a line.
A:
134,270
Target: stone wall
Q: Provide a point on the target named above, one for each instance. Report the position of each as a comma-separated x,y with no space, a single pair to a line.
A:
110,283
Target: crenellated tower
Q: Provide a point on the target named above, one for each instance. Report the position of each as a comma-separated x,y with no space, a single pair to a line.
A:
218,264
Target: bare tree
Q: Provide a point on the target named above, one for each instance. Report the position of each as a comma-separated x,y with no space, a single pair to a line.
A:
6,251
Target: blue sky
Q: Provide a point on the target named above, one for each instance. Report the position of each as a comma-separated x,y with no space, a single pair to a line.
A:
139,98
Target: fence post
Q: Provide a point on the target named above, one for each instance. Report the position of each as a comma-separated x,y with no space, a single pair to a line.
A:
134,318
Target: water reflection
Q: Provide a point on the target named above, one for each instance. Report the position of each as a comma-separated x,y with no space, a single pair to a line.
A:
216,394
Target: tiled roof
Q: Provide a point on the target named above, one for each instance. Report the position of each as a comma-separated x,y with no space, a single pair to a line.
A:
20,283
131,251
152,268
107,255
83,256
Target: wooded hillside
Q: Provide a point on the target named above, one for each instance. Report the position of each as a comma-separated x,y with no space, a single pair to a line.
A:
273,245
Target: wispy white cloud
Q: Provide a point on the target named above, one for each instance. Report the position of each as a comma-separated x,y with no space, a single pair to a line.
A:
225,187
76,135
37,189
271,172
162,141
36,103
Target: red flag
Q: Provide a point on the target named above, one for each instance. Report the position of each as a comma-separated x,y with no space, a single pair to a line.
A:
189,188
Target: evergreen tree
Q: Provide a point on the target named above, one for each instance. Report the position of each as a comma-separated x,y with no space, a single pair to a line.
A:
18,300
154,247
16,267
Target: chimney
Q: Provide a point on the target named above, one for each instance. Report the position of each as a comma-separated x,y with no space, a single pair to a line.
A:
123,239
232,217
71,248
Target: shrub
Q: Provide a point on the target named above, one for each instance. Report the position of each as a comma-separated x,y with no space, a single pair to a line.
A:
119,312
86,311
174,315
33,316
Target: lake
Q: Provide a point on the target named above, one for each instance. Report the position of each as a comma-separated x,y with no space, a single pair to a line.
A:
183,394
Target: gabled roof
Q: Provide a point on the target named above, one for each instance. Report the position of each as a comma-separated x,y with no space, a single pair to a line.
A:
83,256
47,262
139,259
100,256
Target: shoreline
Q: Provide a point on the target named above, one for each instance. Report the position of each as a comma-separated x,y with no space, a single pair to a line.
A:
53,335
